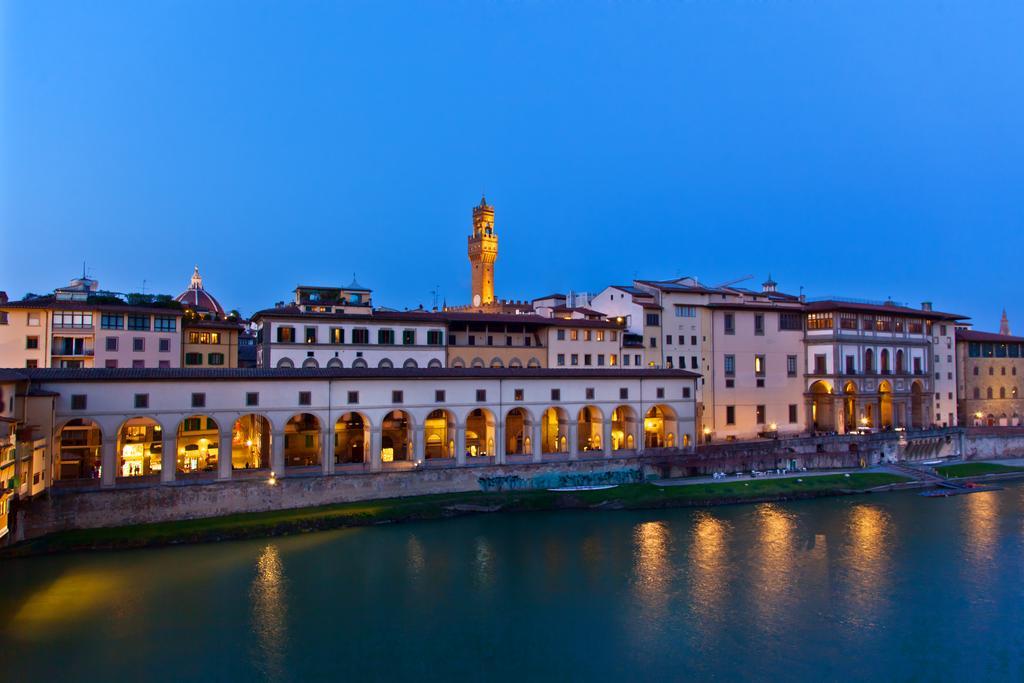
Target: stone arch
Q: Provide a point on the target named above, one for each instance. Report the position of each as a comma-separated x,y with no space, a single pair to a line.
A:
251,442
351,438
385,363
481,432
197,445
410,363
140,447
359,363
917,405
660,427
396,437
850,406
458,363
477,362
434,363
624,424
533,363
335,363
885,420
899,362
285,363
869,361
822,406
310,363
515,363
589,429
518,432
78,451
439,434
554,430
302,441
497,363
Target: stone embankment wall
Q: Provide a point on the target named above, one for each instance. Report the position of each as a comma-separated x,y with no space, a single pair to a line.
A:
993,443
70,509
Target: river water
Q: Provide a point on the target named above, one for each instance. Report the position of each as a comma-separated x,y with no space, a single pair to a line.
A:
872,588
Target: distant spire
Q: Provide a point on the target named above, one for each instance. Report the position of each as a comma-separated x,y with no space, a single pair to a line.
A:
1004,324
197,279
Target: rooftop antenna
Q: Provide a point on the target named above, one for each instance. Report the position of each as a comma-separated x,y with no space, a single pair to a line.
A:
434,291
143,286
738,280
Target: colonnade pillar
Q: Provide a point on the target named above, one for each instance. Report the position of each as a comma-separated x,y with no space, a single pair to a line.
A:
574,441
224,454
606,438
419,445
108,463
327,450
538,449
460,444
375,462
499,442
169,459
277,453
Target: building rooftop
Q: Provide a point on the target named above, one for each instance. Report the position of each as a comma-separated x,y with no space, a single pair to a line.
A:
889,308
994,337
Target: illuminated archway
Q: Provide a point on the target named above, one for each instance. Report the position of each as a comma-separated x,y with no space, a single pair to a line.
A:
660,427
624,428
822,406
850,406
885,405
589,425
351,436
518,432
917,405
554,431
439,434
79,450
396,437
302,441
198,445
140,447
250,443
480,431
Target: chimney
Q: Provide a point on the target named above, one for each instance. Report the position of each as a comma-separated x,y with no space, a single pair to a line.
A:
926,305
3,297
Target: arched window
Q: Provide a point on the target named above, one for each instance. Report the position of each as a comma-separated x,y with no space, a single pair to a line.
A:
869,361
285,363
977,392
359,363
385,363
899,361
988,392
884,361
1002,392
310,363
410,363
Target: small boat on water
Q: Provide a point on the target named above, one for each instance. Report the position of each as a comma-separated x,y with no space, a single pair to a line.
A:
599,487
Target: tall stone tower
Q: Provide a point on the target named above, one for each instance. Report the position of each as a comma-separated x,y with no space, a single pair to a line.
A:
483,252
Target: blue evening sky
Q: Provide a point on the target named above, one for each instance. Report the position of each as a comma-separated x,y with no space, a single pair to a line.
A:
864,148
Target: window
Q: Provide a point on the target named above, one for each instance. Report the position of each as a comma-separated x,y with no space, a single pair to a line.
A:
198,400
685,311
730,323
439,396
623,393
138,322
915,327
819,321
397,396
792,413
686,392
360,336
490,340
193,359
385,336
693,340
759,324
654,342
164,345
310,337
730,415
31,342
791,366
600,360
164,323
202,337
481,395
730,365
977,392
556,394
110,363
848,321
285,334
759,414
336,335
574,359
408,337
435,337
78,401
68,319
883,323
660,392
759,361
560,359
586,359
668,340
694,364
3,317
599,335
508,340
252,398
625,359
32,363
192,424
586,335
788,321
820,364
141,401
33,320
613,359
111,321
560,335
305,398
215,359
138,343
353,397
589,393
138,363
574,335
653,319
867,323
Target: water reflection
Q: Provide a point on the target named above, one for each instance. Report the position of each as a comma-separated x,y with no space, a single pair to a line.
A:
709,568
866,560
483,563
269,612
652,571
416,558
773,570
75,595
981,522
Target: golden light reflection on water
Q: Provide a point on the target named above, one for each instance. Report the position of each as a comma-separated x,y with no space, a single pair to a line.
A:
653,574
269,611
483,563
774,560
709,567
417,561
981,524
867,560
73,596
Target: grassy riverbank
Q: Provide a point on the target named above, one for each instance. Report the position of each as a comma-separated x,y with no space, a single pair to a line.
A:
279,522
975,469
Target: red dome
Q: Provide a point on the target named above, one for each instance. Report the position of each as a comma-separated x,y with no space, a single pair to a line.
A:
198,299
